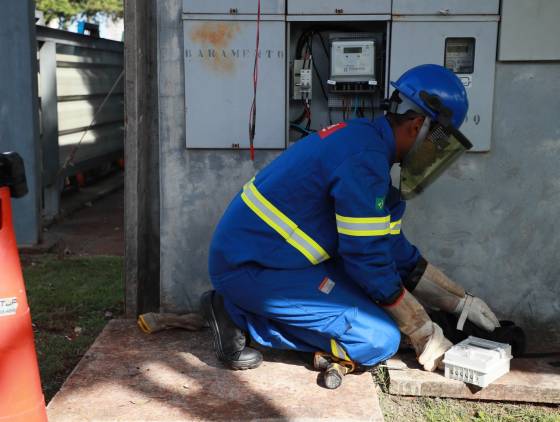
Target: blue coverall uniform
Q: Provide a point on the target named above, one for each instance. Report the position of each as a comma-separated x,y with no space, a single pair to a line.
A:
307,251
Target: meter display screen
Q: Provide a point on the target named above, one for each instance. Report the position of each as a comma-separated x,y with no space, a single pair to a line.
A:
352,50
459,54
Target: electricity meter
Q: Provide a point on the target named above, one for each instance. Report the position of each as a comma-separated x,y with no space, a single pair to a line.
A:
353,61
459,55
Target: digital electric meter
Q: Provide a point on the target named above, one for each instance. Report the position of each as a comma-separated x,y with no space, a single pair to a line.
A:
353,60
459,55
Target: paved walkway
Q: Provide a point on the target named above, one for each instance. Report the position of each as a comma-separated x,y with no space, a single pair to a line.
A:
174,376
94,229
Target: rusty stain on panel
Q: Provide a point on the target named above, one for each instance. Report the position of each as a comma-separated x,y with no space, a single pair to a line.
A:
215,37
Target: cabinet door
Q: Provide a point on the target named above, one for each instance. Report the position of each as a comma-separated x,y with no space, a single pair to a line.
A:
219,58
415,43
451,7
331,7
241,7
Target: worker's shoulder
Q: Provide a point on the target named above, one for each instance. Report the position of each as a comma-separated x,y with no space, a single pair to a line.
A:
354,136
355,140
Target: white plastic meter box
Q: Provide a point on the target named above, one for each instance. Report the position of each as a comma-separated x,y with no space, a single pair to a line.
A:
321,62
353,61
477,361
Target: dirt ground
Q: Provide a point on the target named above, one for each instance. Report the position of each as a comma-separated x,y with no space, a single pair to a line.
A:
96,229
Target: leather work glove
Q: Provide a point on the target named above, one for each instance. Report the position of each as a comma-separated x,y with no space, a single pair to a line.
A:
425,336
437,291
153,322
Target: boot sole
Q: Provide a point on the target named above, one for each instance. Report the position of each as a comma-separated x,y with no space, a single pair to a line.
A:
208,312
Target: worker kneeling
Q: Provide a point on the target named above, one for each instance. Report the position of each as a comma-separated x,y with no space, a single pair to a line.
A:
310,255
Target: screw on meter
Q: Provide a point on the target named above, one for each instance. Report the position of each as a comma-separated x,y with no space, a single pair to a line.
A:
459,54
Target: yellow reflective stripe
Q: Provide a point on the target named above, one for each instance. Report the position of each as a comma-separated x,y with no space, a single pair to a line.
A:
363,220
263,216
364,232
363,226
271,207
396,227
338,351
282,224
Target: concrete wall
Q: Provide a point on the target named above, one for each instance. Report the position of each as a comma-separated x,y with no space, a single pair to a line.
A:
490,222
195,186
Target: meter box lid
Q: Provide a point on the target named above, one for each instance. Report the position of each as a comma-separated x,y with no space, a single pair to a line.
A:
446,7
236,7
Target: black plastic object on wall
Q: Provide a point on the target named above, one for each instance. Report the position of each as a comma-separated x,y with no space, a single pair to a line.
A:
508,332
12,174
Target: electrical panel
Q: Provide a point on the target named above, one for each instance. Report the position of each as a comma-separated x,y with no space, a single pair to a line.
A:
324,61
338,73
219,56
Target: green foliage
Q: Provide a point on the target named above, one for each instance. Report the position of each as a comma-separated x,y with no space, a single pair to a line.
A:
69,300
68,11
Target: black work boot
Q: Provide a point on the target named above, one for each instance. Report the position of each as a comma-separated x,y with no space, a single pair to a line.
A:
229,340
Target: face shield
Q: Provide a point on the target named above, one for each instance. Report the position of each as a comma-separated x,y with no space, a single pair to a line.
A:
438,146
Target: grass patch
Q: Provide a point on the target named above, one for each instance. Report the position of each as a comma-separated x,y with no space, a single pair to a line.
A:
70,300
397,408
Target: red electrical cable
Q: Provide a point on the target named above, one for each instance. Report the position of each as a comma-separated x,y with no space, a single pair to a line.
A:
253,111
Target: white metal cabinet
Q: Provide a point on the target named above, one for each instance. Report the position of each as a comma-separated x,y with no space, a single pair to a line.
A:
414,43
539,36
219,57
446,7
241,7
332,7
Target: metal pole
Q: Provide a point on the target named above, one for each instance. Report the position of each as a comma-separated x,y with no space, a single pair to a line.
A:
19,123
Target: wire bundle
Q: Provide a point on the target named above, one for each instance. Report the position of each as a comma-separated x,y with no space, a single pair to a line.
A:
253,110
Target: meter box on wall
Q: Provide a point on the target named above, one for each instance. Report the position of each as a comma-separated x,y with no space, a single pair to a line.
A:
234,7
467,46
219,57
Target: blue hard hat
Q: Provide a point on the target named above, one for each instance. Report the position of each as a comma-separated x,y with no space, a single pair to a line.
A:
437,81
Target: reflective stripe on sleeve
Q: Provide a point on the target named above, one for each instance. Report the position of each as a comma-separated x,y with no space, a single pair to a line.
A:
396,227
363,226
282,224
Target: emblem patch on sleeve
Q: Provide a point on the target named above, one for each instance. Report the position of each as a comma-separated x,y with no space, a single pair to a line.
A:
326,285
379,203
329,130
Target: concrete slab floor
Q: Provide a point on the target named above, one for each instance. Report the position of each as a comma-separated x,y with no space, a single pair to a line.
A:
175,376
535,380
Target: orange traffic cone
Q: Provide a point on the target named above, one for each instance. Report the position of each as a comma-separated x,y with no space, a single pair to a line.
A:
21,398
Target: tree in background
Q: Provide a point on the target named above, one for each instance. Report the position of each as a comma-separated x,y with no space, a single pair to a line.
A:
67,11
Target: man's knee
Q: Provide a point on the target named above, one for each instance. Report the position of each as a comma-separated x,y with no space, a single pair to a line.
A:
378,344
